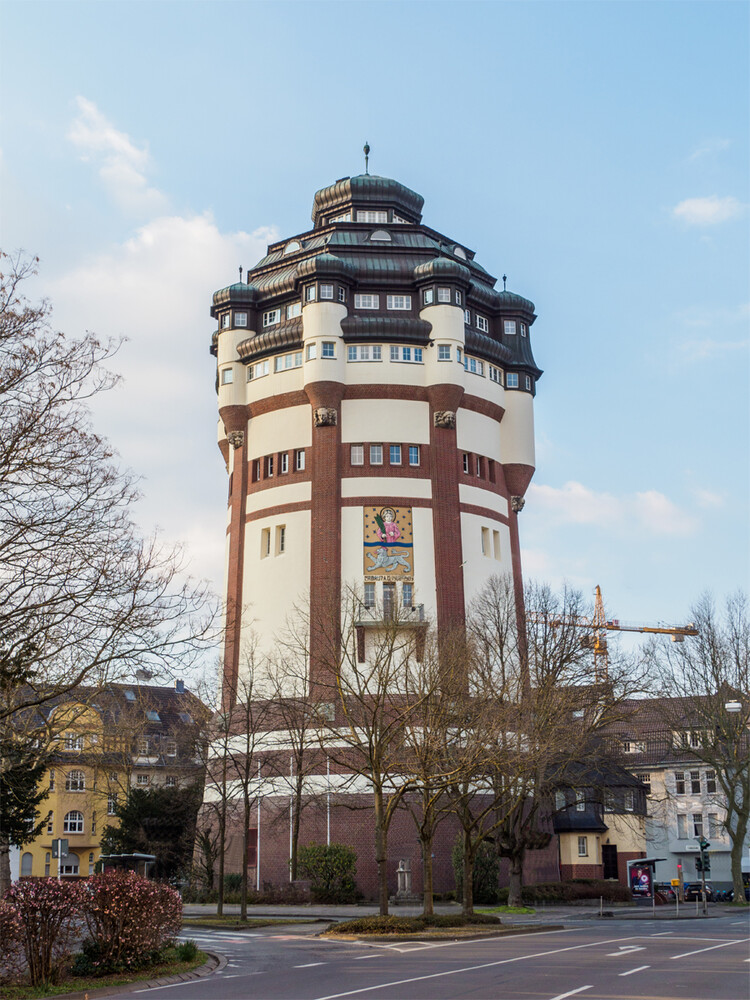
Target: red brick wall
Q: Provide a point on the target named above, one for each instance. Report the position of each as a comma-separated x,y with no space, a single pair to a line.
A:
580,871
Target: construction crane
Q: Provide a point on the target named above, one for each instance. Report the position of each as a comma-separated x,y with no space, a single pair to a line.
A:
599,625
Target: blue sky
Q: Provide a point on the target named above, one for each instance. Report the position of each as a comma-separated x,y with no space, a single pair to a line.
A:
596,152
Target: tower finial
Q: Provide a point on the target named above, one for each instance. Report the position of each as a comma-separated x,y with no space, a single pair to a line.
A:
505,278
366,150
240,273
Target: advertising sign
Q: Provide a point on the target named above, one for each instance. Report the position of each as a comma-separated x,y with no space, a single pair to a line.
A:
640,882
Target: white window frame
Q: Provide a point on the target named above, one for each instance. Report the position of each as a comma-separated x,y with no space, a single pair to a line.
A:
366,300
170,781
226,321
528,382
311,293
583,847
364,352
376,454
496,375
271,317
73,741
401,302
394,454
286,362
371,215
458,297
299,460
326,291
466,463
280,539
407,595
328,349
444,295
293,309
240,319
75,781
474,365
483,324
227,376
524,330
428,296
444,352
357,454
414,455
467,317
311,351
141,780
258,370
284,463
511,380
509,327
341,296
344,217
71,825
369,596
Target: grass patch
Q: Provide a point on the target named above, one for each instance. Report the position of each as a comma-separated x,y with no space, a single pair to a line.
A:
75,984
507,909
409,925
233,922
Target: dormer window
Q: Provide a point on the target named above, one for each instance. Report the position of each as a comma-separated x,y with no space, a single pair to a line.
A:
310,293
398,219
367,215
380,235
292,246
509,327
272,317
344,217
524,330
240,319
225,321
460,252
482,324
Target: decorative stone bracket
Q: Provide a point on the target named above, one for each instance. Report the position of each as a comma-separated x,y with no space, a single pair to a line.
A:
445,418
324,416
517,504
236,438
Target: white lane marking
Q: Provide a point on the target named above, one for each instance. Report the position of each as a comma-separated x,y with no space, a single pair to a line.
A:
309,965
170,986
572,993
712,948
631,971
661,934
378,954
486,965
235,976
625,950
737,923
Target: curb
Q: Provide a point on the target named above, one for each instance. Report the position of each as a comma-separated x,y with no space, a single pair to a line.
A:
299,921
445,936
215,963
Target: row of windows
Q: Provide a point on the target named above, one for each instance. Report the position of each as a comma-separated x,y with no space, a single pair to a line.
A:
608,800
264,468
395,454
374,352
266,536
683,779
692,825
327,291
389,596
368,215
478,465
490,543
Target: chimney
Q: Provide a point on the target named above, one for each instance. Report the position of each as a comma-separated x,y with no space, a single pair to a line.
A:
179,686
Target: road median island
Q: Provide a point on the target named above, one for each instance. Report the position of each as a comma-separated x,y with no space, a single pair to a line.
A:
233,923
449,928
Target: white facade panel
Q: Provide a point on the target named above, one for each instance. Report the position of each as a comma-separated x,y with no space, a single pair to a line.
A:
478,433
386,486
393,420
277,495
478,533
482,498
517,429
280,430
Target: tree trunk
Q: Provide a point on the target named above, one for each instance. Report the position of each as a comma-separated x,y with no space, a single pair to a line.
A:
738,840
515,880
468,893
245,826
427,869
4,866
381,852
296,816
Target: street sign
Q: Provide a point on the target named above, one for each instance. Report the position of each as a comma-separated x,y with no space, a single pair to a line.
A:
59,848
674,881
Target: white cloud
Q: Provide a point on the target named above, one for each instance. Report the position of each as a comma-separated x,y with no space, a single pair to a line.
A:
709,148
575,503
156,290
707,347
709,211
707,499
122,164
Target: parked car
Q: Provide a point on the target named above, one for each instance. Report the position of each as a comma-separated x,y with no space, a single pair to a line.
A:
694,890
666,890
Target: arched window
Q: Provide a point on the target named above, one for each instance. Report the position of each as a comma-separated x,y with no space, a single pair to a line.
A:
381,235
26,860
73,822
292,246
75,781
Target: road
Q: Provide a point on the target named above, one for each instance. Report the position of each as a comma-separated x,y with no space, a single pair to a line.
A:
612,960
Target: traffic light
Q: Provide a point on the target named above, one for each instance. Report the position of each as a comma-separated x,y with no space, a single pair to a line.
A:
699,864
703,844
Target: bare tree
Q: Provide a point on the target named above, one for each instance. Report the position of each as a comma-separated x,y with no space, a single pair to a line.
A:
709,720
83,598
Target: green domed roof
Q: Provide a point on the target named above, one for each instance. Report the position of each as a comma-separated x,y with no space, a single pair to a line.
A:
326,264
366,190
516,303
238,292
442,267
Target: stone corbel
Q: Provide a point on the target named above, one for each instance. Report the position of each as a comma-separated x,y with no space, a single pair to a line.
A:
445,418
324,416
236,438
517,504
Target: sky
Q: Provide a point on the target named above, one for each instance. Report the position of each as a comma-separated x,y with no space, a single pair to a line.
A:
596,152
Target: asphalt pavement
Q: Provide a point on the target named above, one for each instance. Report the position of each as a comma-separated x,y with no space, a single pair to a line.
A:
624,957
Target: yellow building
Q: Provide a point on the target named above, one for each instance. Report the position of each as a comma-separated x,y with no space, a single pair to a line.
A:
107,742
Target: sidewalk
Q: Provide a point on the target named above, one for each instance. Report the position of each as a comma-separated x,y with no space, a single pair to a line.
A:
543,914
